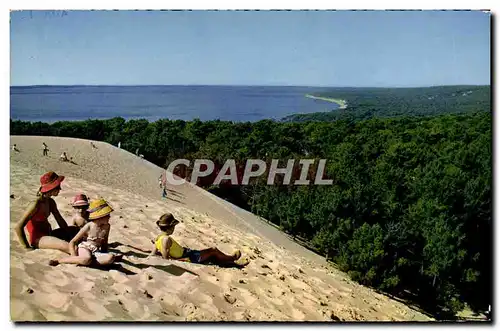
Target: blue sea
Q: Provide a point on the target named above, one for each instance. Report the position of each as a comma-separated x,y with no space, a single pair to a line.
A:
232,103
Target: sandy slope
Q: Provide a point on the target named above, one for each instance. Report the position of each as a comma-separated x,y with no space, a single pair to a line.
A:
284,281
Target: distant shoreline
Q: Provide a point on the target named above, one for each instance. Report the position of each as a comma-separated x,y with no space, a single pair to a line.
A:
342,103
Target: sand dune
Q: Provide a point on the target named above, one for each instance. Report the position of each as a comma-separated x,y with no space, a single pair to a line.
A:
283,282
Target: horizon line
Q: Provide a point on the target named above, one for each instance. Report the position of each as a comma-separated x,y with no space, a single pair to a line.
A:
237,85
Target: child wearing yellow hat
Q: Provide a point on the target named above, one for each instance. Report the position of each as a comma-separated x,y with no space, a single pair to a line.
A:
95,245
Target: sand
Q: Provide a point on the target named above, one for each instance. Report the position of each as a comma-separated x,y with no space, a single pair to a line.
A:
341,102
283,282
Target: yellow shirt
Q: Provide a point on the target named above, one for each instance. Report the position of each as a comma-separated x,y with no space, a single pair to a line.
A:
176,250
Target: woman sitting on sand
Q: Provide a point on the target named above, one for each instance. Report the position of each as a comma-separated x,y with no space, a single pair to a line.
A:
95,239
80,204
35,219
169,248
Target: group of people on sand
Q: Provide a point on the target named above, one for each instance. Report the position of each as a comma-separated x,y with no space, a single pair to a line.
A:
86,238
45,151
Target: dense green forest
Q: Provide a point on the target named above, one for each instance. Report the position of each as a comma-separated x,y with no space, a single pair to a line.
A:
409,211
365,103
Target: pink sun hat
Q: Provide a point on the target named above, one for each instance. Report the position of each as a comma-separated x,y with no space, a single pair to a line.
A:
80,200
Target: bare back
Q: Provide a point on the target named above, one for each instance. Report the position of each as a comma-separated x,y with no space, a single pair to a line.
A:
98,234
78,220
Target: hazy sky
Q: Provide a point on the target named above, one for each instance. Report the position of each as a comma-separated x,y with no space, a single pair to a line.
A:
313,48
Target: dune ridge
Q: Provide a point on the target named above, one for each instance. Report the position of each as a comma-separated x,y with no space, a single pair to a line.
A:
283,282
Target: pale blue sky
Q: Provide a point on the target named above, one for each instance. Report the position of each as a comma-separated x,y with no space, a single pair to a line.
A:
310,48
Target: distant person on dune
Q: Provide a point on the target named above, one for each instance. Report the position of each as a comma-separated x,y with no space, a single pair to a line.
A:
63,157
165,245
94,239
80,205
163,185
35,219
45,149
14,148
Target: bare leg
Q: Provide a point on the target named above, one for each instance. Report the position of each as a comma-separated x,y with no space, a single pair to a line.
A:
84,258
66,233
49,242
105,258
216,256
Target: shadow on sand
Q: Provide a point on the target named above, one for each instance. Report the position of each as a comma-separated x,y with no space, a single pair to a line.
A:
170,268
114,266
174,192
175,200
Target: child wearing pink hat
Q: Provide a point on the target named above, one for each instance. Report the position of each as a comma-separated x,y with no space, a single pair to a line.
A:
80,205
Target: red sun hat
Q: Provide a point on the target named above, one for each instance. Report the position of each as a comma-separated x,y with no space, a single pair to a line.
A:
50,181
80,200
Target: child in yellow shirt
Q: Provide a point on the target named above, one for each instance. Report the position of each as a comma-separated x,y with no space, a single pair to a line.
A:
170,249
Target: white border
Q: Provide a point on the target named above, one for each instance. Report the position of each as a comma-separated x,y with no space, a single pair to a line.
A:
193,4
255,4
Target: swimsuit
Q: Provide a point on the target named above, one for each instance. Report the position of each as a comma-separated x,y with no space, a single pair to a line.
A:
89,246
92,244
177,251
38,226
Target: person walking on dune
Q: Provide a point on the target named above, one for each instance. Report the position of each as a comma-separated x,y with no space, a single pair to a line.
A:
35,219
165,245
94,234
163,185
45,149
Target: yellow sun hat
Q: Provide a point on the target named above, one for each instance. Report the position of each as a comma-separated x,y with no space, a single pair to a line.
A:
99,208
